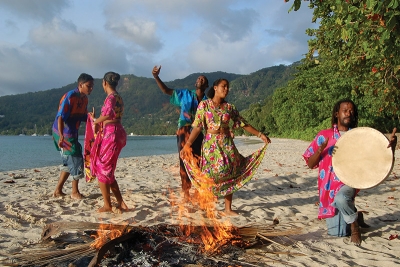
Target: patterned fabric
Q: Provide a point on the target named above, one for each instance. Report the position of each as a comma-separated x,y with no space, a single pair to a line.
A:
222,169
73,110
328,183
113,107
109,141
87,147
187,101
210,117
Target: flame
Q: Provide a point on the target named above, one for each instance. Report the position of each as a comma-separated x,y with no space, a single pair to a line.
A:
221,230
104,234
206,201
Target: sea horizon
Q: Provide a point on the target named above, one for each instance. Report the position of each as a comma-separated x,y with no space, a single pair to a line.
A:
29,152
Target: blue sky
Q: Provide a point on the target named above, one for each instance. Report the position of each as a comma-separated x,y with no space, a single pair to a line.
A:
46,44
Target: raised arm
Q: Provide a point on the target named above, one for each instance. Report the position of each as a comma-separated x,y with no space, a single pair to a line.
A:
161,84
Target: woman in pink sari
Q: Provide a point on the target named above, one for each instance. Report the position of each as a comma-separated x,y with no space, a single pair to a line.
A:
110,139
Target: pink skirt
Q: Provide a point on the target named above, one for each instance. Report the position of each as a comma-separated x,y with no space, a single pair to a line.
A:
105,151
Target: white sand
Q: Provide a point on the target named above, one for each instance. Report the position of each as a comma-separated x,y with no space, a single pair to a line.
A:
283,188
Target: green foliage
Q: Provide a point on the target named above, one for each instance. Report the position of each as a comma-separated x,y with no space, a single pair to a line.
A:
353,54
253,88
259,116
308,99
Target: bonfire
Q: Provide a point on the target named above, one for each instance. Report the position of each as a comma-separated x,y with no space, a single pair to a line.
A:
214,241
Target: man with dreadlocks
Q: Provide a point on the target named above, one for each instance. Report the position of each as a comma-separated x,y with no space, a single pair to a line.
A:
336,200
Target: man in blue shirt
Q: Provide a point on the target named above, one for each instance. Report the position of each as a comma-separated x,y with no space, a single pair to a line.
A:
187,100
72,111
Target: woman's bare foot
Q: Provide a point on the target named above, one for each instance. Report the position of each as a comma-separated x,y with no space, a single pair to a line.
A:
229,213
76,195
123,207
105,209
59,194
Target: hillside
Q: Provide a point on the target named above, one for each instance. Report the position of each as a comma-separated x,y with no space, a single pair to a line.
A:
147,110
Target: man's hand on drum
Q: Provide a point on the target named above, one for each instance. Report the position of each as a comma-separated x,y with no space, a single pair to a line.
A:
393,140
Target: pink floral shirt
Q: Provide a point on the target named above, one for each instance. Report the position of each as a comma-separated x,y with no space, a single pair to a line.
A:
328,183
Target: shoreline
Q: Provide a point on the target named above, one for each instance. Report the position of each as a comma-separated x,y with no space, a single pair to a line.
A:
282,188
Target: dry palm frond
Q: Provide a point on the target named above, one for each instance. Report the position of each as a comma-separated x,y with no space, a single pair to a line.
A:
40,257
284,249
254,256
277,235
273,230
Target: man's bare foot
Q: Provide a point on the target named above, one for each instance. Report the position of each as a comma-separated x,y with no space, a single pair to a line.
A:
104,209
59,194
355,237
76,196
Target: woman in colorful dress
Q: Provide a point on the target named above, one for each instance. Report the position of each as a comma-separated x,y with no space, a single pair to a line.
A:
110,139
221,168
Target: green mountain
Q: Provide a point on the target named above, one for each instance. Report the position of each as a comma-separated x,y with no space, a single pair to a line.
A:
147,109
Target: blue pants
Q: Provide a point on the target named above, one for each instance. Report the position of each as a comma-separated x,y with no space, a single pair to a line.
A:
346,212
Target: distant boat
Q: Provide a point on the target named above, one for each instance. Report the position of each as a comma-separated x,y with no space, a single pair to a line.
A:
35,133
46,135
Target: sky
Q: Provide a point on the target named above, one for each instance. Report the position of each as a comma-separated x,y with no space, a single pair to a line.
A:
46,44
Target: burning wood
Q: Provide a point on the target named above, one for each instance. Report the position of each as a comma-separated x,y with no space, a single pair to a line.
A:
159,245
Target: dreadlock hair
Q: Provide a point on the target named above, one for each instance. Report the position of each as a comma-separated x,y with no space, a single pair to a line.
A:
336,108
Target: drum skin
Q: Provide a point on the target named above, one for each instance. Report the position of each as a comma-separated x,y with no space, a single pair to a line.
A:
361,158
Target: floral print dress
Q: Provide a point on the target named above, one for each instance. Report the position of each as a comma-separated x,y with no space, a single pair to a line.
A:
221,169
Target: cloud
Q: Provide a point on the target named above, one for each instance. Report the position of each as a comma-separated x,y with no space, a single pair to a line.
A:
270,36
56,54
87,50
139,32
35,9
48,43
11,25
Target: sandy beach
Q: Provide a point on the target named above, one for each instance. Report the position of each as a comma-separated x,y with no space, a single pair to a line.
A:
283,188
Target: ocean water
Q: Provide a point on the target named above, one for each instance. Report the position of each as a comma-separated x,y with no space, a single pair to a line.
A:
28,152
